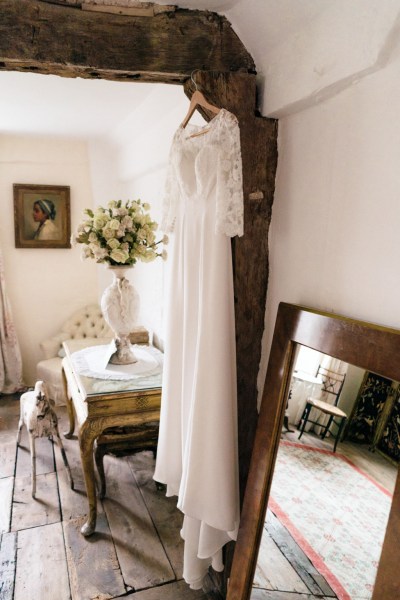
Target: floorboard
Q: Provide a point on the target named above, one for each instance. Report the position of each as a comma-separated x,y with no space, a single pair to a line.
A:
167,519
7,458
136,551
316,584
41,565
93,565
8,552
274,571
41,510
44,456
140,553
6,494
172,591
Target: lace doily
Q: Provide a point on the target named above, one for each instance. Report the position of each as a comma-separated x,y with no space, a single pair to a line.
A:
93,362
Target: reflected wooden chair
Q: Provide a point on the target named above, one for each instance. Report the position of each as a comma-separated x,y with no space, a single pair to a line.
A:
332,385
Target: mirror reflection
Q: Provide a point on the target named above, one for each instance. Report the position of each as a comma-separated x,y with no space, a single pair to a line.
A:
328,510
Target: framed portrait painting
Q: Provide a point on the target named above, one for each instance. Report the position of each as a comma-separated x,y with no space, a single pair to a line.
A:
42,217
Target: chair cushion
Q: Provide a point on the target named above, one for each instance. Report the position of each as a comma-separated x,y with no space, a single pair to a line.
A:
325,407
88,322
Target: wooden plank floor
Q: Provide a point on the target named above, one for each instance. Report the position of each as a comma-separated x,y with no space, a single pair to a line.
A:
136,551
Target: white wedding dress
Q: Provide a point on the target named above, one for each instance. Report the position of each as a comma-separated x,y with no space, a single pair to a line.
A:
197,450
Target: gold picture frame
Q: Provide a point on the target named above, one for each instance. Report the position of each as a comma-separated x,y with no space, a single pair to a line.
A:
42,216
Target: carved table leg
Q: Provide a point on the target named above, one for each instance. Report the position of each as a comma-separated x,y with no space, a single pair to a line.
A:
87,435
99,457
68,434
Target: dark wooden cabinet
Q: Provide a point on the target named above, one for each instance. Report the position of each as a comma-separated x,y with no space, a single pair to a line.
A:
375,419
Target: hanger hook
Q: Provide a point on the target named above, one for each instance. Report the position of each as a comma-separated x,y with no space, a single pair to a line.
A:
191,77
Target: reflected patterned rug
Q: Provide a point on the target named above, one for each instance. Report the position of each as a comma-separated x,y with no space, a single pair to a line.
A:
336,513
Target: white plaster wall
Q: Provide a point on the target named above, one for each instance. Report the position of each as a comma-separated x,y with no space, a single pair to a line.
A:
307,51
334,241
353,381
103,166
44,286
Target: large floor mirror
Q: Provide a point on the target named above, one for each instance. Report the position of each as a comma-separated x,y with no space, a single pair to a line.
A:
318,523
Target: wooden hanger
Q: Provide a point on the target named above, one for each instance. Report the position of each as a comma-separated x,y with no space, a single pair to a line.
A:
198,100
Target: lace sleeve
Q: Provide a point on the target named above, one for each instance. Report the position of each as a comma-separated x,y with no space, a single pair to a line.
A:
171,194
230,180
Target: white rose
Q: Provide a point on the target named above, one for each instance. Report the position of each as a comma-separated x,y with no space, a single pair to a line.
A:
113,243
99,221
86,253
92,237
114,224
149,256
127,222
151,238
100,253
119,256
108,233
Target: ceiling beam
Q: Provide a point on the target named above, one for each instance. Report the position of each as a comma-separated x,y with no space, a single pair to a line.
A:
64,40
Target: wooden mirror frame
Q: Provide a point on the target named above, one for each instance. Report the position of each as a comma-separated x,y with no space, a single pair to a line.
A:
371,347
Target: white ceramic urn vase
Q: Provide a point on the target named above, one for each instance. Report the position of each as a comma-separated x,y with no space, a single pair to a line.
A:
120,305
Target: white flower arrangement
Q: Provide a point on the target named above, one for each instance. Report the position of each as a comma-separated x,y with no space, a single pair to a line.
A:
120,234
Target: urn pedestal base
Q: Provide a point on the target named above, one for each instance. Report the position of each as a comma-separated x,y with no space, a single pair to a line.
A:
120,305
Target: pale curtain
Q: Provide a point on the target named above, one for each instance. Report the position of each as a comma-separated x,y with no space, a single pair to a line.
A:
10,355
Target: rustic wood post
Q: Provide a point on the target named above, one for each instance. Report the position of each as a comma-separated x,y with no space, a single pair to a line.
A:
237,93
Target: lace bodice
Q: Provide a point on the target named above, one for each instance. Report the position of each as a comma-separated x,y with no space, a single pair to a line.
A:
206,165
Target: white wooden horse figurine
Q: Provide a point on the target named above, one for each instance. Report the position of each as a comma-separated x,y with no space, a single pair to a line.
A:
40,419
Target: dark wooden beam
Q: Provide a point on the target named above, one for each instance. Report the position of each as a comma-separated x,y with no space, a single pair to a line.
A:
258,136
63,40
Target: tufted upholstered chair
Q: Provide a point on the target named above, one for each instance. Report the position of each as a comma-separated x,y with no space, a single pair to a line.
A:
89,323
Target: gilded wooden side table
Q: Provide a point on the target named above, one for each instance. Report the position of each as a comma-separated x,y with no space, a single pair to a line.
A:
114,412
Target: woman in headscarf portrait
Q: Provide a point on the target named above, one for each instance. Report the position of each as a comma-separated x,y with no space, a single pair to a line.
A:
44,213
